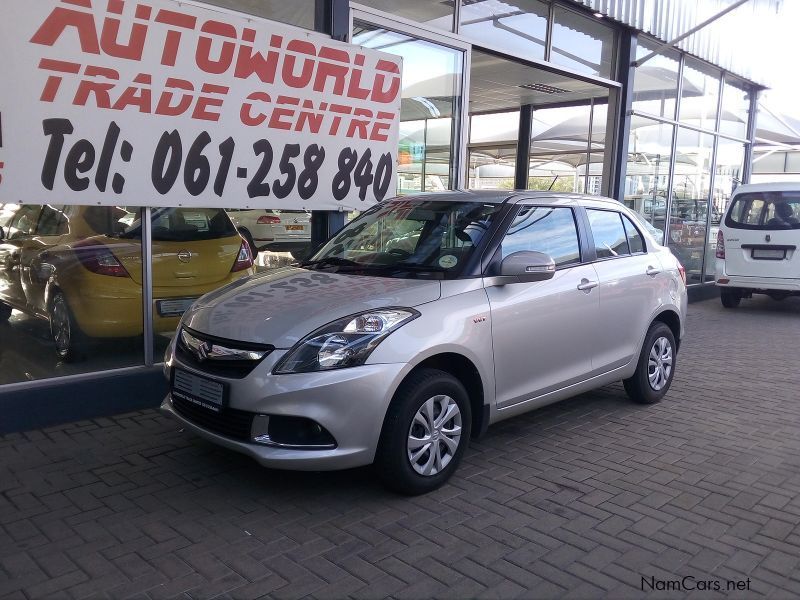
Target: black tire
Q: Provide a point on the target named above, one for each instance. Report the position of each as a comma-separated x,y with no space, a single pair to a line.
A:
249,239
392,461
639,387
65,332
5,312
730,298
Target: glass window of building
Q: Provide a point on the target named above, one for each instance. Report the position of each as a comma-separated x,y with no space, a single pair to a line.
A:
431,13
493,150
297,12
582,43
430,105
73,304
735,109
518,27
655,82
647,172
699,95
727,177
690,200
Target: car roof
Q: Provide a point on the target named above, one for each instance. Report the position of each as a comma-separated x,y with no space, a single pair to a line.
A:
782,186
512,197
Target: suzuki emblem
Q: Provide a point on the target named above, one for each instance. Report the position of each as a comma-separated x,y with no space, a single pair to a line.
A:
184,256
202,351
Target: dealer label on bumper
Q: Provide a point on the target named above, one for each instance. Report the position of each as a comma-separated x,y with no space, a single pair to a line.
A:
198,390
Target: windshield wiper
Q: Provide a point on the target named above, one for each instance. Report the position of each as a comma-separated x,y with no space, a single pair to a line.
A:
333,261
404,266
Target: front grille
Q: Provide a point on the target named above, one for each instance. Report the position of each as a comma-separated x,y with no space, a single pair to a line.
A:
229,422
234,369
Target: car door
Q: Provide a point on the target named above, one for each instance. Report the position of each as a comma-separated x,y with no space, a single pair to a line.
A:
628,292
20,229
543,331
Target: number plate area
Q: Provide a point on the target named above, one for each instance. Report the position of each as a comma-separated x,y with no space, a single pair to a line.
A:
173,308
765,254
207,393
294,228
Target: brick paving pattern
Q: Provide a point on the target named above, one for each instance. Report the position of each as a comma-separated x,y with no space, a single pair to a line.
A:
579,500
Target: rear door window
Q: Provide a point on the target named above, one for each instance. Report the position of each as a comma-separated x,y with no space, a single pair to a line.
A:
765,211
610,239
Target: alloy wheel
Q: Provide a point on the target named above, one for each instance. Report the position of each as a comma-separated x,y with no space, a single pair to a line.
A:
659,364
434,435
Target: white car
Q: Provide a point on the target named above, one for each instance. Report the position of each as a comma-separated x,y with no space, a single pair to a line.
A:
274,230
757,243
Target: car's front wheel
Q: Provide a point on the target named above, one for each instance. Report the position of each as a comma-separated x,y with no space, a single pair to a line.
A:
63,329
425,433
656,367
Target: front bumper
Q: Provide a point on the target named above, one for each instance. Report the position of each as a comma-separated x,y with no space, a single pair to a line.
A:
350,403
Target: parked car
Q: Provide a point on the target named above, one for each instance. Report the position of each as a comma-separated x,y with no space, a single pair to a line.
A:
80,267
423,321
274,230
757,243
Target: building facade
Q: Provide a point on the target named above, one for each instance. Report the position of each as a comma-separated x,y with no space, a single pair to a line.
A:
538,94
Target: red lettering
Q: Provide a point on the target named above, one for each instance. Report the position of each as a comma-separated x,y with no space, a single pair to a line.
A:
360,124
136,96
380,131
379,94
308,119
53,82
304,78
246,113
165,106
109,40
248,61
60,19
205,102
99,89
173,39
275,118
203,53
338,72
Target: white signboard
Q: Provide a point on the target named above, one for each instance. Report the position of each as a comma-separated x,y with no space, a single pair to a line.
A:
162,103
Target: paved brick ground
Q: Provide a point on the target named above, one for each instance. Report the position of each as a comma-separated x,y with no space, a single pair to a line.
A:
579,500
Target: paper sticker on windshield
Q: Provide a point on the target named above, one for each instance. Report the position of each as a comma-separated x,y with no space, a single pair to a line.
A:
448,261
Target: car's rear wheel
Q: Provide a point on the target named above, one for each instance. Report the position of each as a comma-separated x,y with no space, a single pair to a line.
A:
425,433
5,312
656,366
63,329
730,298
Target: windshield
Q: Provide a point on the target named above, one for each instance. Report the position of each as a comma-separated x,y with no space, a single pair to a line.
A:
409,238
765,211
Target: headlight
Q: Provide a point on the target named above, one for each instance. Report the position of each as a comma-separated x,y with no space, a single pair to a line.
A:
344,343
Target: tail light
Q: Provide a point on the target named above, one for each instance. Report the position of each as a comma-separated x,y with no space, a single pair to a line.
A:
244,260
682,272
98,258
720,245
268,220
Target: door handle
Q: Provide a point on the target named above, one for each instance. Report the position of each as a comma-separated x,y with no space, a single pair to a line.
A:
652,271
585,285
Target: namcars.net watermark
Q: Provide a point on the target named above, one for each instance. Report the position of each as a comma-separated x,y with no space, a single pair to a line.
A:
690,583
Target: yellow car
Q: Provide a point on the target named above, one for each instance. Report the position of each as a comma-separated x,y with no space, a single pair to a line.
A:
80,267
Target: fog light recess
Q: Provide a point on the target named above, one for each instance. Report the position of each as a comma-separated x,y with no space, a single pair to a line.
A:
298,433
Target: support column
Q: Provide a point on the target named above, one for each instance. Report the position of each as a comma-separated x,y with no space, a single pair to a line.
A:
620,104
324,223
523,147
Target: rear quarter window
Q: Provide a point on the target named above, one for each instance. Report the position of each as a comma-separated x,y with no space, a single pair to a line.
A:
765,211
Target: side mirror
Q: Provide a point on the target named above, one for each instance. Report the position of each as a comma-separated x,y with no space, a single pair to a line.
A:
526,266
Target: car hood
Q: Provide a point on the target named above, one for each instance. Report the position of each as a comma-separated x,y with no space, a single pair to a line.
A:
281,307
